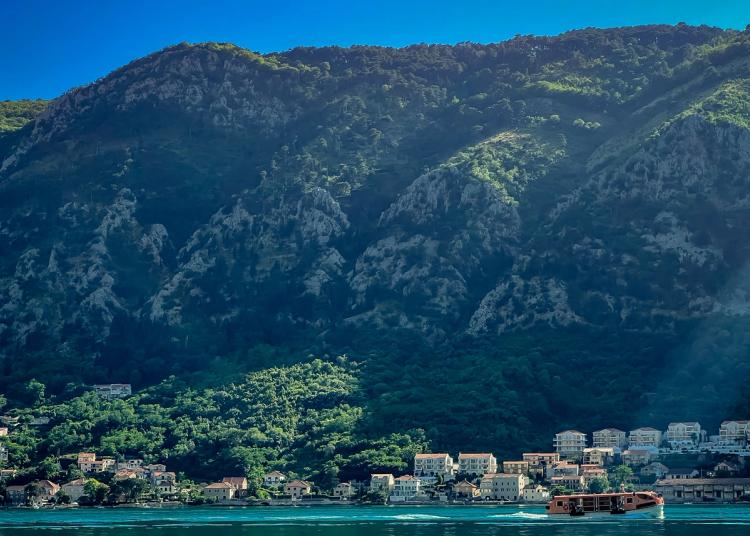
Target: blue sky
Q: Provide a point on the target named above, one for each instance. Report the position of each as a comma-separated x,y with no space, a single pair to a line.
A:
49,46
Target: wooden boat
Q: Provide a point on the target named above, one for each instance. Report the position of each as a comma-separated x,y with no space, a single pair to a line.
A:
587,504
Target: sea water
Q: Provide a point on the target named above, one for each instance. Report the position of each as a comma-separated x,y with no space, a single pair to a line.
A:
678,520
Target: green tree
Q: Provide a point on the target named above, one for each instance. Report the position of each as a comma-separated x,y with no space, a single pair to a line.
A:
621,475
32,392
95,491
599,484
62,498
49,468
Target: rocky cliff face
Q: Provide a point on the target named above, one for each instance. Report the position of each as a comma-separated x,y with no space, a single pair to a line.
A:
205,199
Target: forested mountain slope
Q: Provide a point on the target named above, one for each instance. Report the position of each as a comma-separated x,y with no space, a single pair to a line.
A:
502,236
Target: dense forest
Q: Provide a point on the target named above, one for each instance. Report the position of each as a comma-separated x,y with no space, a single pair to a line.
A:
499,241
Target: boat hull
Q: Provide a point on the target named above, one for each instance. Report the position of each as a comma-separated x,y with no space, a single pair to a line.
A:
651,512
633,504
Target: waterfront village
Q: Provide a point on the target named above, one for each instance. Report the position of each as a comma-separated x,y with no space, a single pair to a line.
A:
683,463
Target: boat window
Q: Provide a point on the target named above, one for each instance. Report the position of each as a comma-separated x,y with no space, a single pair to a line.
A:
559,503
630,500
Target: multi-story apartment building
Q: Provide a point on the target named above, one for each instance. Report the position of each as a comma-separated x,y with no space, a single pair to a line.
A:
572,482
502,486
406,488
644,437
570,443
434,465
516,467
476,463
609,438
540,459
735,431
684,432
382,482
598,455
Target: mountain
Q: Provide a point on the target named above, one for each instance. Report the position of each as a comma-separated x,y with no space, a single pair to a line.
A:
543,232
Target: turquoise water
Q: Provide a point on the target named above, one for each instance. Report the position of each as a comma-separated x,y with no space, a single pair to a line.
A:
368,521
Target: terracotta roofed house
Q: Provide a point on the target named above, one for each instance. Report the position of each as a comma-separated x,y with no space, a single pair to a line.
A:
239,482
46,489
466,489
476,463
518,467
222,491
539,460
297,488
407,487
434,465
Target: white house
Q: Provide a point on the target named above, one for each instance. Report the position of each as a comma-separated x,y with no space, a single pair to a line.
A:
132,465
406,488
274,479
570,443
502,486
535,493
343,490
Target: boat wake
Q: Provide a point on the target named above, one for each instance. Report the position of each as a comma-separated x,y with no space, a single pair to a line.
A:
418,517
520,515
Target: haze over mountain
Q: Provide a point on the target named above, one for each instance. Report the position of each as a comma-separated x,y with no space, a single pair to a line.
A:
503,236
